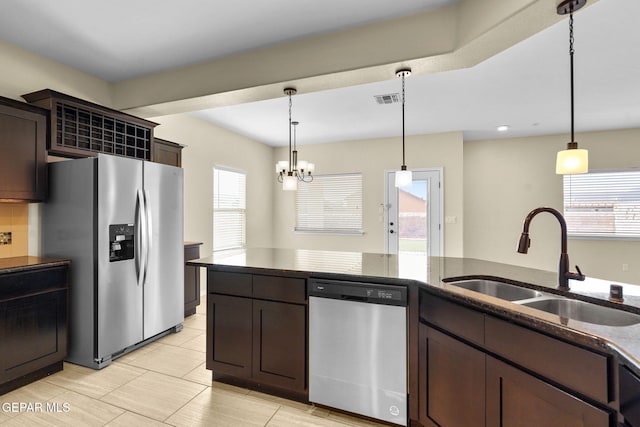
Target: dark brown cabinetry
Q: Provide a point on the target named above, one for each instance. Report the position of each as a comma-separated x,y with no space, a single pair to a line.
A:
33,324
191,278
476,369
276,329
23,163
167,152
80,128
629,397
229,343
517,398
452,374
257,331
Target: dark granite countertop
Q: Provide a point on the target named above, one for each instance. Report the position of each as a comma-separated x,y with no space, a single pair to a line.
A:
428,273
22,263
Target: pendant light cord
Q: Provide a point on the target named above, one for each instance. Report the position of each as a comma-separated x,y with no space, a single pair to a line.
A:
404,166
290,159
571,50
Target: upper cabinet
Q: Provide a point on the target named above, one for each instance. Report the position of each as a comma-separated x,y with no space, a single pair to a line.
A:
23,155
167,152
80,128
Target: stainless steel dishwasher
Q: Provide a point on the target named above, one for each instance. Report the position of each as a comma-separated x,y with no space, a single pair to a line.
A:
358,348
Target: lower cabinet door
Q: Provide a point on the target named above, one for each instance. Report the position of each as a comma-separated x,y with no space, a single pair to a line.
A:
279,344
191,289
33,333
451,381
515,398
229,335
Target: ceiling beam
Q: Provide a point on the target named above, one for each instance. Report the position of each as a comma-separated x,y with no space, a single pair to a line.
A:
457,36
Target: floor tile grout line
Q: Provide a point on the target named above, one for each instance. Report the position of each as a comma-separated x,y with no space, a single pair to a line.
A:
207,388
272,415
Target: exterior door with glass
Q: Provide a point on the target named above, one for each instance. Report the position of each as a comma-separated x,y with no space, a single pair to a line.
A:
413,219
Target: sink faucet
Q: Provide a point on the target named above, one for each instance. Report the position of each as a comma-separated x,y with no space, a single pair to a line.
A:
563,269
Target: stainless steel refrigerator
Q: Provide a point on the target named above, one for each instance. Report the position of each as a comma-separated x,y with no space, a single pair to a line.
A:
120,221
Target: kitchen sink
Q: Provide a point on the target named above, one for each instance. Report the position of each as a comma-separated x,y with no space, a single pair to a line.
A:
500,290
584,312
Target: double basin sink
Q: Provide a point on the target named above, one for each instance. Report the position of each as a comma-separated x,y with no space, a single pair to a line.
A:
565,308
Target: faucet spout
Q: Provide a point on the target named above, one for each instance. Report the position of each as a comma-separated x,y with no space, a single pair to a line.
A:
563,268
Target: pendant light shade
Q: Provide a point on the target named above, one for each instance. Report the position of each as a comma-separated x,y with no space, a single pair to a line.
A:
572,160
404,177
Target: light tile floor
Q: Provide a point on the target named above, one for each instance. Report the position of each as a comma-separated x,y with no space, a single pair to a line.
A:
163,383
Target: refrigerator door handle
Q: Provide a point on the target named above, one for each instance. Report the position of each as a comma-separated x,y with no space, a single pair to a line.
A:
148,233
141,227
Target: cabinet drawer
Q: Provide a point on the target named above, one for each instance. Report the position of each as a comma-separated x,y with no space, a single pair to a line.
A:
461,321
34,281
286,289
561,362
229,283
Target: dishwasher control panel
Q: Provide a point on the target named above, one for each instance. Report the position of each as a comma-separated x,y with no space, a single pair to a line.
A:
358,291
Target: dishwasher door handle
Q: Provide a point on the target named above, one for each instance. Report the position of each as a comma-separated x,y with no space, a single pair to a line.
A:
353,298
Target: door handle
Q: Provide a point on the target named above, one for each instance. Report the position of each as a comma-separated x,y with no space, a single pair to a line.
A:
149,243
391,231
141,225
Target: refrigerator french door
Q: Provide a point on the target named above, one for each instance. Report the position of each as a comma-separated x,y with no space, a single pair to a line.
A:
120,221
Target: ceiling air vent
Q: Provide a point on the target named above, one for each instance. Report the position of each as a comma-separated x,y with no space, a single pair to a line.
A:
390,98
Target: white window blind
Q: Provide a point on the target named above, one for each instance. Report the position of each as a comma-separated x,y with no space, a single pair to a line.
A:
229,209
330,204
603,204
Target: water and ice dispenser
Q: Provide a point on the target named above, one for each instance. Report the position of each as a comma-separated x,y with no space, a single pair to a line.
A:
121,242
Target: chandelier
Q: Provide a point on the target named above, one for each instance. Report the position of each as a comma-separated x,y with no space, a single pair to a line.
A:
293,170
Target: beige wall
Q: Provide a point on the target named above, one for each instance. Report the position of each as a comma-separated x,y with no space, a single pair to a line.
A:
504,179
207,146
24,72
372,158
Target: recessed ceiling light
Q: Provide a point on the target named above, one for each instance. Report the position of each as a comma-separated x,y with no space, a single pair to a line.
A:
502,128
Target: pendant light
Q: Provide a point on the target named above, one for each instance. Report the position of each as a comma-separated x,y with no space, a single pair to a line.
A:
573,160
291,171
403,176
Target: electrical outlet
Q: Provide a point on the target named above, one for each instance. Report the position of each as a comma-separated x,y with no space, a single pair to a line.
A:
5,237
625,267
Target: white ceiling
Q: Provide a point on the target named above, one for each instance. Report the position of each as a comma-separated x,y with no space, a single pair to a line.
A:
120,39
526,86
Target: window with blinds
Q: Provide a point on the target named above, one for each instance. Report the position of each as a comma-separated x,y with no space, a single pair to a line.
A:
603,204
330,204
229,209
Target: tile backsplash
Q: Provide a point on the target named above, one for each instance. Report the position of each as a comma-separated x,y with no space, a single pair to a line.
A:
14,225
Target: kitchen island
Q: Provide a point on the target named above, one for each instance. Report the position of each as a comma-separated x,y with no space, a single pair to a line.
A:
548,358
